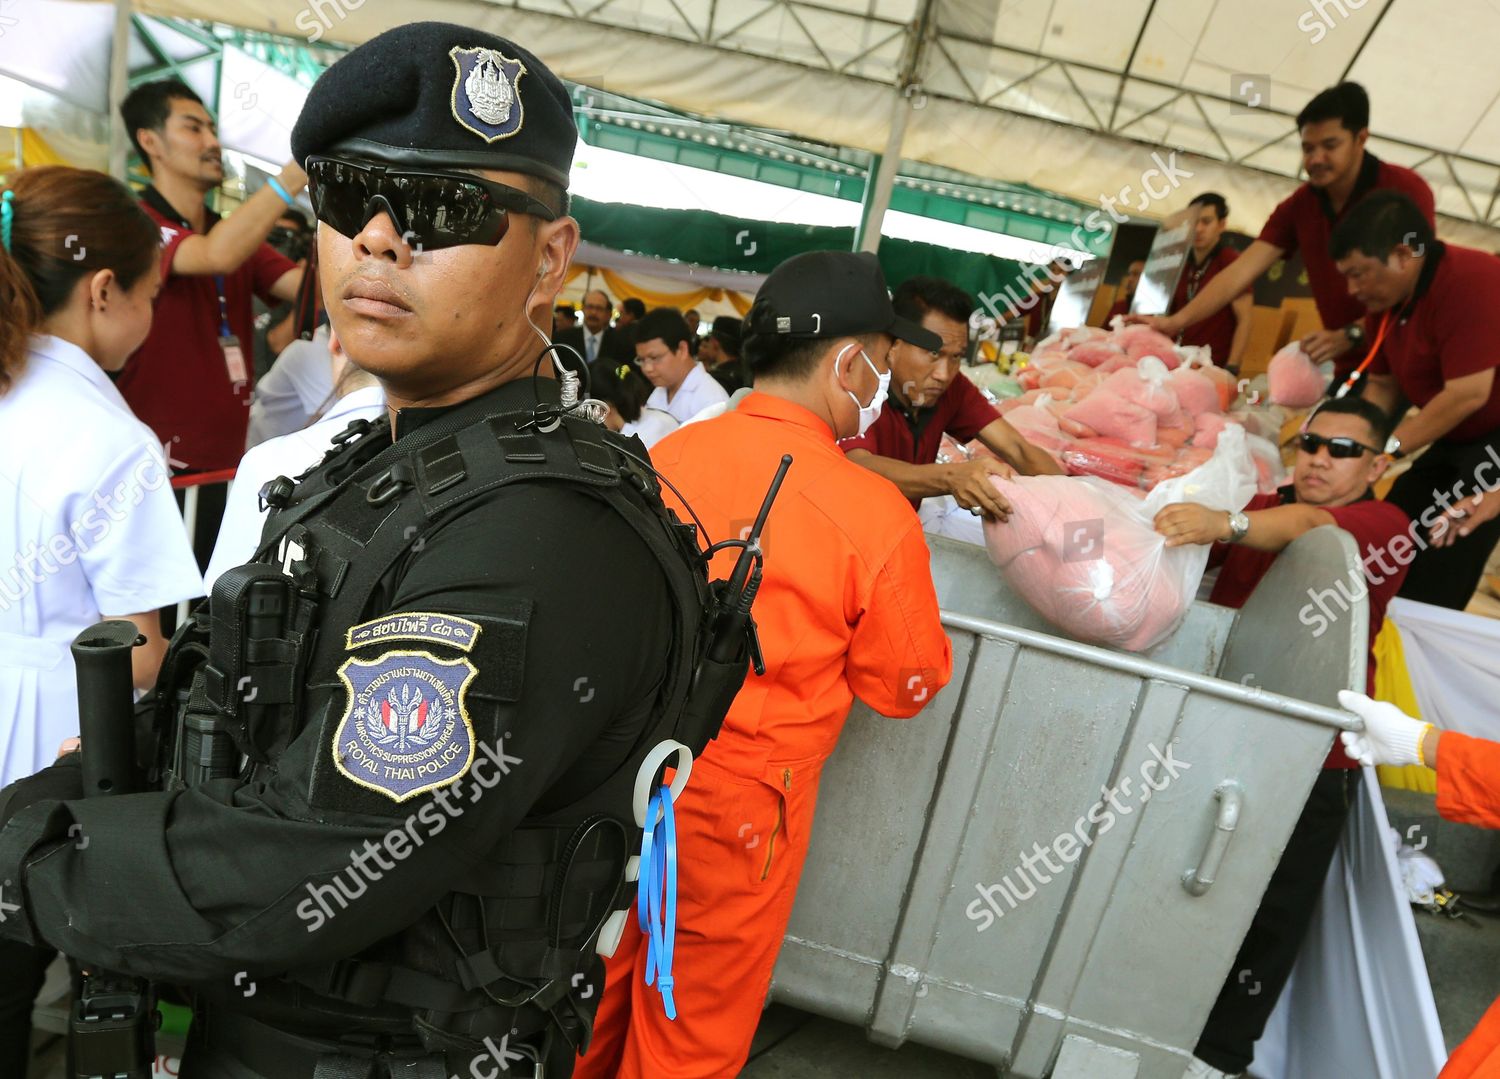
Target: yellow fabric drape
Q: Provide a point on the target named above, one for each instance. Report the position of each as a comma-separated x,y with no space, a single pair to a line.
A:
622,288
1393,684
35,150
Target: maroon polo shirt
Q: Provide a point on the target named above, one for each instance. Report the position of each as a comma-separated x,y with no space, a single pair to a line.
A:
1449,328
177,381
914,436
1373,524
1304,222
1216,331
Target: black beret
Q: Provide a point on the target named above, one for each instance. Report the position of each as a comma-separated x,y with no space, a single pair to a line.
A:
436,95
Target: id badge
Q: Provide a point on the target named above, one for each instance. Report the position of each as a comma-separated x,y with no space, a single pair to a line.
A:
234,360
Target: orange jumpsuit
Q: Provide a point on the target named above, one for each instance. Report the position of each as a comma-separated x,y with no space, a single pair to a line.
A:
846,608
1468,791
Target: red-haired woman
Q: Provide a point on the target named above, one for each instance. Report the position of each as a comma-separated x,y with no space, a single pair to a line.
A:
88,526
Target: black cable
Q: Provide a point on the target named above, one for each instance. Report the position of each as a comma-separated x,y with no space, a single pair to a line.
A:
542,412
686,504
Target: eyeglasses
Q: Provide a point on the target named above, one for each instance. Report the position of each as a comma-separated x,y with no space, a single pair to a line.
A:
1339,446
433,210
651,361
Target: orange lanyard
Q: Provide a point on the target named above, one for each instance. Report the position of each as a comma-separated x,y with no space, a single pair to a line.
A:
1385,325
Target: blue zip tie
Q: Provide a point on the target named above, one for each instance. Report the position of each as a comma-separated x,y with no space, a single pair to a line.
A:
657,914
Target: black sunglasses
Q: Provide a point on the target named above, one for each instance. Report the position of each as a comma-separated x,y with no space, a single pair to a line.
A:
433,210
1339,446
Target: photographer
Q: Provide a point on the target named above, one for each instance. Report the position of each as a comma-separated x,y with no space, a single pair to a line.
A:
278,326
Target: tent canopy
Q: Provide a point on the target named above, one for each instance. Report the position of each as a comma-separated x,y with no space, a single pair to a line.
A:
1072,96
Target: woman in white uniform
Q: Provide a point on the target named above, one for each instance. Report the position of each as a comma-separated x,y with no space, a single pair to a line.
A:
88,525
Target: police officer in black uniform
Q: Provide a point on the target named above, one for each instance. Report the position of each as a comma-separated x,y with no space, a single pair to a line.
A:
400,749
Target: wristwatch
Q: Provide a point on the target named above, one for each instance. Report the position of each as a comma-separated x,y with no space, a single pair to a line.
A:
1239,524
1393,448
1355,332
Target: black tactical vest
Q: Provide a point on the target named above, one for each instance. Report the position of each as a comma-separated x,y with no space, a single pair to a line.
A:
507,950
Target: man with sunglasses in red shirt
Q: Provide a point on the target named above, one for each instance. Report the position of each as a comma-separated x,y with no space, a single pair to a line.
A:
1340,456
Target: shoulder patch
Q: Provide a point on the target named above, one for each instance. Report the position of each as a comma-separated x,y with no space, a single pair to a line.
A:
406,728
425,626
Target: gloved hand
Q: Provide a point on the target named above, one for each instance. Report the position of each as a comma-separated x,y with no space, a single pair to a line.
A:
1390,735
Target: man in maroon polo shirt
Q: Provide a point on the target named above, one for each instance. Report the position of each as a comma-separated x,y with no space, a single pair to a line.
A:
1339,458
191,380
927,399
1435,308
1227,330
1334,126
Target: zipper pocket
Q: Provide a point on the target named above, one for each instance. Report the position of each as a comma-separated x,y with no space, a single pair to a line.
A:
786,780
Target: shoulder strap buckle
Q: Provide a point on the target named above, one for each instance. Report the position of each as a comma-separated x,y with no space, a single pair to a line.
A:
390,483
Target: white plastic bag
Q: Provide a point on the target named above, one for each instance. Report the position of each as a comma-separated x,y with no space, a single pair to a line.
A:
1420,874
1084,554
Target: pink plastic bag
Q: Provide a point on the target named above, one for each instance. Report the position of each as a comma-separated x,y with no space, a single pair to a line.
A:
1094,353
1107,413
1038,426
1146,385
1294,378
1206,430
1032,397
1084,554
1173,436
1142,341
1227,385
1065,374
1196,392
1181,465
1139,352
1105,459
1079,335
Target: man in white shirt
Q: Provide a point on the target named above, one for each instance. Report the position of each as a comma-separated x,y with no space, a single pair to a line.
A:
297,388
683,386
355,395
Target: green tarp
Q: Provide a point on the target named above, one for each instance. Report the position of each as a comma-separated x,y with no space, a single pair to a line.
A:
732,243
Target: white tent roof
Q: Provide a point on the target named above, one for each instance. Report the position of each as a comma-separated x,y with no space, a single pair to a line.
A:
1069,95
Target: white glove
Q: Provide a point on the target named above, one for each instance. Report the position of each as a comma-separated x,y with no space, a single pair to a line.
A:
1390,735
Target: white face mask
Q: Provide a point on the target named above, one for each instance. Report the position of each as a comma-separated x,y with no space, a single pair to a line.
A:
868,414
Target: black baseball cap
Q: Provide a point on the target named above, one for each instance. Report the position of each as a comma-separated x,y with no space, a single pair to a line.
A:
831,294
